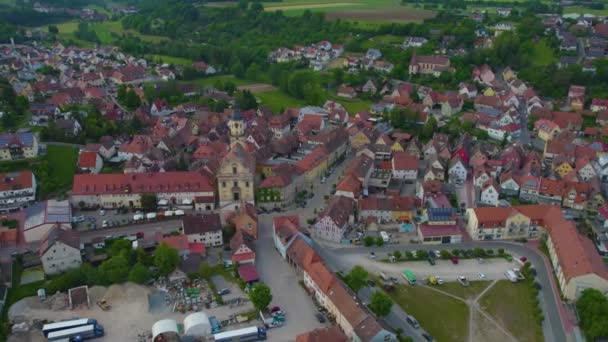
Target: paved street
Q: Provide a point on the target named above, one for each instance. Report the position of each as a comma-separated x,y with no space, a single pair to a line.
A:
286,291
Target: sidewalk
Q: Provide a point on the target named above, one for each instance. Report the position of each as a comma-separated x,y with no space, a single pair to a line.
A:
569,323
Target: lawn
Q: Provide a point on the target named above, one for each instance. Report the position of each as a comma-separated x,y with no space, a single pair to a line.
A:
62,165
353,106
542,54
471,291
512,306
443,317
277,100
170,60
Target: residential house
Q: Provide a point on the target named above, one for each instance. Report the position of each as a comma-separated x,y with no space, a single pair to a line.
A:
90,162
576,97
18,146
429,65
509,185
242,248
332,333
246,220
334,220
60,251
40,217
284,232
179,188
489,193
17,190
206,228
404,166
457,171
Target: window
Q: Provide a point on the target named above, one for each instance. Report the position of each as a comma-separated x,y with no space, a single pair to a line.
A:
223,184
246,184
235,184
234,169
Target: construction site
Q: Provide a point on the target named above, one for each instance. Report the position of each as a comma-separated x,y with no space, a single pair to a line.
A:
128,311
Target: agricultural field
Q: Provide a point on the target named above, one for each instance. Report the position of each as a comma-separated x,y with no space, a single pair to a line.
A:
210,81
371,12
169,59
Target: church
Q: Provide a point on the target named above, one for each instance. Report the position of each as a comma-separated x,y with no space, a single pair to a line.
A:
236,175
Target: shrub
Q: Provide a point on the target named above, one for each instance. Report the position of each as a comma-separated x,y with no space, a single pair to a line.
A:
379,241
397,255
445,254
478,252
421,254
501,251
490,252
409,255
368,241
456,252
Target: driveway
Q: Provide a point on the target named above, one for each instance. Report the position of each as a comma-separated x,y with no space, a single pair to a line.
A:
286,291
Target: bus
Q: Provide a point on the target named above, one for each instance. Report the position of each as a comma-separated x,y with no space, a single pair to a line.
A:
72,323
242,335
78,334
410,277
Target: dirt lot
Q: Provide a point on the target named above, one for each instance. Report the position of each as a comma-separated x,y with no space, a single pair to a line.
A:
257,87
398,15
484,330
128,317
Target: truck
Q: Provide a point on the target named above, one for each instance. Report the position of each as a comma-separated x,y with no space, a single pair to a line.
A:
85,332
68,324
511,276
241,335
138,217
215,325
150,216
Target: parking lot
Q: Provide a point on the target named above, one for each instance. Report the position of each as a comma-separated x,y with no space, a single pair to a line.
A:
491,269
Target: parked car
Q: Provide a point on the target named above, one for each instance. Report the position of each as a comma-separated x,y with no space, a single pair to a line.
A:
140,235
104,224
481,276
481,261
431,260
224,291
533,271
102,212
412,321
454,259
427,336
275,309
320,317
538,285
372,255
523,259
323,180
371,283
463,281
394,279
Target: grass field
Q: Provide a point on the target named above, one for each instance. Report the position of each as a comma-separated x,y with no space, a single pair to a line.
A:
62,165
443,317
585,10
170,60
277,100
471,291
542,54
104,31
512,306
352,105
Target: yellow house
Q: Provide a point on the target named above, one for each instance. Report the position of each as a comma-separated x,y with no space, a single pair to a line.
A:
360,139
489,92
563,169
397,147
517,226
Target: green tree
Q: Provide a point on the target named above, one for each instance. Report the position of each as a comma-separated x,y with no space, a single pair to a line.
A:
253,72
114,270
53,29
205,270
237,69
379,241
592,308
421,254
261,296
149,202
356,278
368,241
380,304
132,100
21,104
141,257
397,255
166,258
445,254
121,247
139,274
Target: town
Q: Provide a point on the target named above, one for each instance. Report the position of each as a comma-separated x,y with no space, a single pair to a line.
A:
394,183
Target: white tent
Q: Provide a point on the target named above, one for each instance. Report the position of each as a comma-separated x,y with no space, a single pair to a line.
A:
164,326
197,324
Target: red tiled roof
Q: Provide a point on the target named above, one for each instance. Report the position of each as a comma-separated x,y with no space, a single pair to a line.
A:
248,273
333,334
178,242
87,159
15,180
197,247
433,231
405,161
117,183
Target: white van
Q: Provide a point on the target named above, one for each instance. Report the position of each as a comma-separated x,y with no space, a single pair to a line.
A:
383,276
385,237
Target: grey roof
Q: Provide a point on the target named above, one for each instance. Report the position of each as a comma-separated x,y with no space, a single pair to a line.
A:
25,139
51,211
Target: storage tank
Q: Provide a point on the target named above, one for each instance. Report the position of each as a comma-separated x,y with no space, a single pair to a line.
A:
197,324
164,330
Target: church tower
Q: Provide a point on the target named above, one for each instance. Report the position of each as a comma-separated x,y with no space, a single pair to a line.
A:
236,125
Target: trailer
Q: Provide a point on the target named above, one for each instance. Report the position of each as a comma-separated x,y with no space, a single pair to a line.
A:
242,335
78,334
72,323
